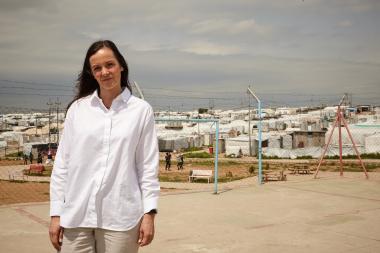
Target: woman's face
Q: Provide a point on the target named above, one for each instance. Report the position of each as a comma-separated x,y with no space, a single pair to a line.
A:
106,70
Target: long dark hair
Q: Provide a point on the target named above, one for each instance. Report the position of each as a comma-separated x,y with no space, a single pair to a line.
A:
86,83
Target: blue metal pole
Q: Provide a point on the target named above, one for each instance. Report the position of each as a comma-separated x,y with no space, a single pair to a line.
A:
260,145
216,157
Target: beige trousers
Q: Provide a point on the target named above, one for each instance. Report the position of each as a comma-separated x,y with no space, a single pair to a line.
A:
97,240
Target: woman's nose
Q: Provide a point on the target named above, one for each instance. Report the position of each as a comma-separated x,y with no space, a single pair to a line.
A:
105,71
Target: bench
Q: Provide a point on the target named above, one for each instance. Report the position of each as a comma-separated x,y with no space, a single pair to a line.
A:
36,169
200,174
274,176
17,175
301,169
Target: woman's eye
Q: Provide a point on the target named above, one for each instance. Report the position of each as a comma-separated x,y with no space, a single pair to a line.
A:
110,65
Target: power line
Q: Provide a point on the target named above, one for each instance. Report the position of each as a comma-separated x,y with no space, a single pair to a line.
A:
35,94
29,88
55,85
181,97
35,83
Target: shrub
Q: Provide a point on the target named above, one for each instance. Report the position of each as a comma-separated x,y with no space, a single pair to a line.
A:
304,157
363,156
16,154
270,157
229,174
251,169
192,149
198,155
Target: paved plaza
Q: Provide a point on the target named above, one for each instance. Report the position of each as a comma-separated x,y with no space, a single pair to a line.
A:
330,214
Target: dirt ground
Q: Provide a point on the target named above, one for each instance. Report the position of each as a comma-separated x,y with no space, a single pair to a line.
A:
27,192
5,162
18,192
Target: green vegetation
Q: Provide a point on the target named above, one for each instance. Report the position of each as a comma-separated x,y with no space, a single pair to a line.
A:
363,156
251,170
271,157
229,174
17,181
15,154
165,178
202,110
305,157
203,163
228,179
192,149
371,166
198,155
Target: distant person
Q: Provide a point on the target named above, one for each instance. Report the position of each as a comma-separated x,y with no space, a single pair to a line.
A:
50,155
25,156
104,186
240,155
180,162
168,158
39,157
49,159
31,157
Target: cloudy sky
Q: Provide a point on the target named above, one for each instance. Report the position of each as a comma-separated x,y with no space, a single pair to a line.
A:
190,54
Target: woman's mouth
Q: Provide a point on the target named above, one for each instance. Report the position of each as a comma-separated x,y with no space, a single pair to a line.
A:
107,79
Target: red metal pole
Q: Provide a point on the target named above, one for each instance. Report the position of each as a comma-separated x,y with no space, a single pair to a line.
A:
340,141
356,150
325,149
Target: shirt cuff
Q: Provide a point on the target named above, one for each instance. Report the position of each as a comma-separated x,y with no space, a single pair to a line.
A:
150,204
56,208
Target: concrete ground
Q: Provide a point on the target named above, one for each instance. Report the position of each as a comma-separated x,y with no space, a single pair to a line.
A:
331,214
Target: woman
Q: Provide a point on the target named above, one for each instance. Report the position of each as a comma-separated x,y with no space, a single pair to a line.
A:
104,187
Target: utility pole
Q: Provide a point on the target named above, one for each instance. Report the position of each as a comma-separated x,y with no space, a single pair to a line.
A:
36,125
249,124
49,104
199,133
211,104
57,103
350,99
259,127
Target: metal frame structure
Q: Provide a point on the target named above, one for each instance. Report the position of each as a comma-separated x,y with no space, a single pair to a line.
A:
216,122
338,122
139,90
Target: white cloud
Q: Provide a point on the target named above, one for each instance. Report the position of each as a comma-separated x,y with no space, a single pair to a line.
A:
91,35
229,26
362,6
208,48
345,23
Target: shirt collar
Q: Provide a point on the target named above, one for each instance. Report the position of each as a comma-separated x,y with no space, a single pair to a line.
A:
123,97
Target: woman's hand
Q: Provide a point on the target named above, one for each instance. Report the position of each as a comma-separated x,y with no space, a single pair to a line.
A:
146,229
56,232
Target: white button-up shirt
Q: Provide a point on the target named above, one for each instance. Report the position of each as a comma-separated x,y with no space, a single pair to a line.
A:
106,169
